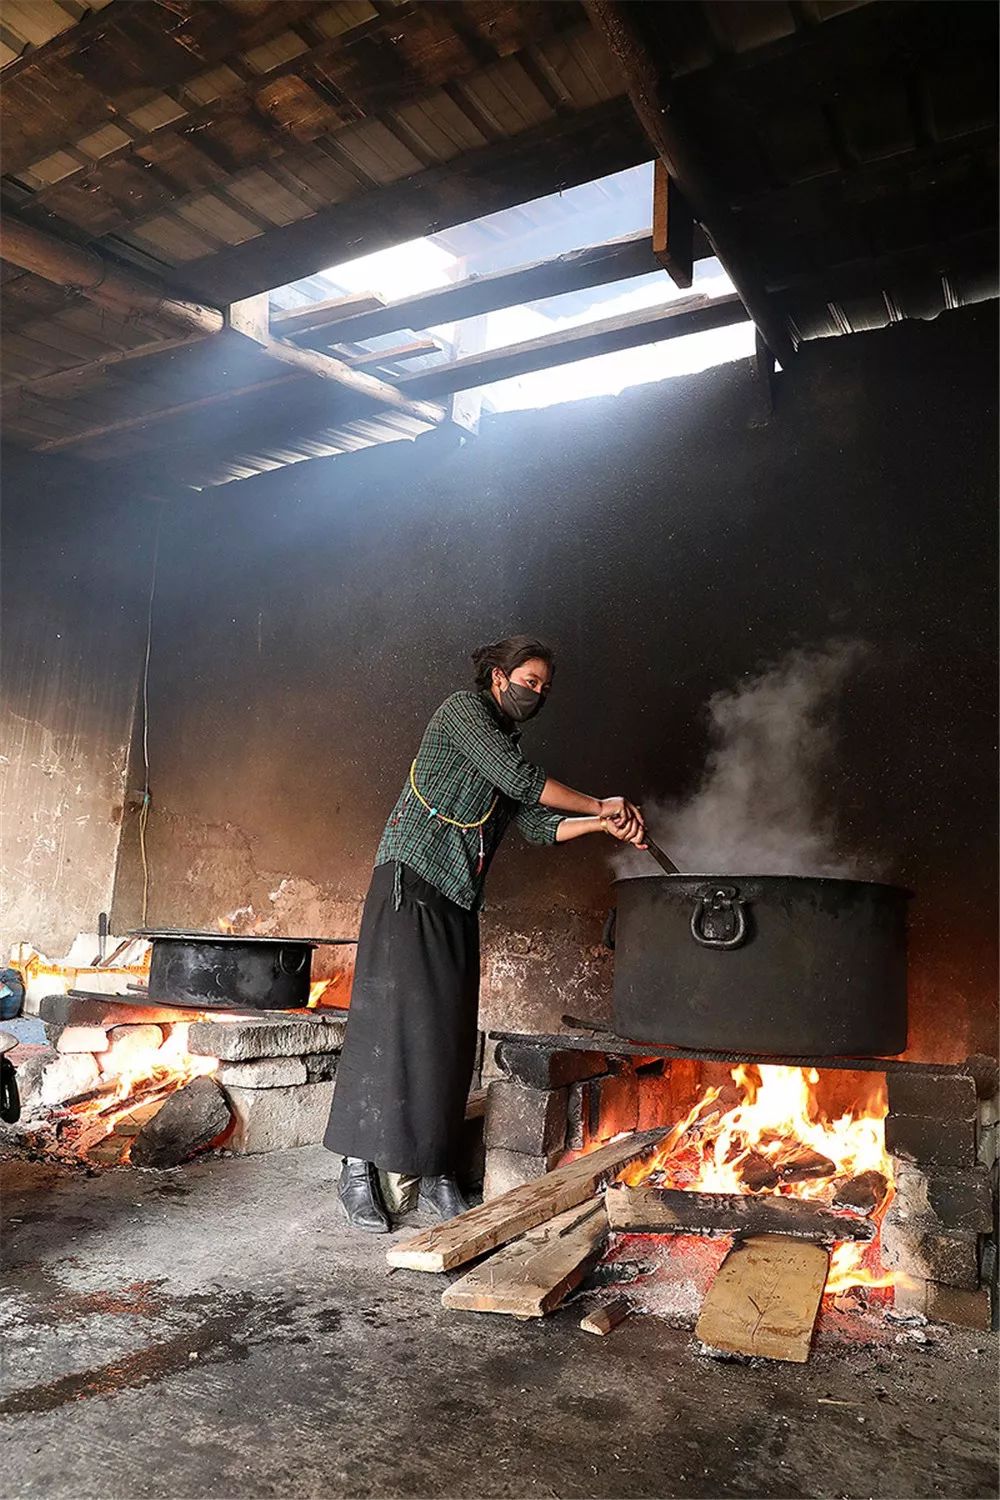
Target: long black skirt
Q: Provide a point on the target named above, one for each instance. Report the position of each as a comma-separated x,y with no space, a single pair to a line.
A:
403,1078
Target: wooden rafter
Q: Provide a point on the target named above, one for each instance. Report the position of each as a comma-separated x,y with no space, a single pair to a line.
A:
649,91
96,277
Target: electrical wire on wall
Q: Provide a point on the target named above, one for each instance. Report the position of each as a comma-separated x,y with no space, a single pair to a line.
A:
144,805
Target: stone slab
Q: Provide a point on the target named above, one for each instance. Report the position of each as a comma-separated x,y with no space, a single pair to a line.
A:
242,1040
613,1105
523,1119
82,1039
264,1073
321,1066
72,1073
98,1010
278,1119
952,1304
943,1143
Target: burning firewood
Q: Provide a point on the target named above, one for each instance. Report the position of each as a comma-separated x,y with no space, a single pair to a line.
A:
806,1165
652,1210
864,1193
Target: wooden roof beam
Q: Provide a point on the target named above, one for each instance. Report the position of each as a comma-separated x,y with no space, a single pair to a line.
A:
250,318
577,270
101,280
650,93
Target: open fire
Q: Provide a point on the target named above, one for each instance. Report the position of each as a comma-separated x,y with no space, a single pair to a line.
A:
766,1133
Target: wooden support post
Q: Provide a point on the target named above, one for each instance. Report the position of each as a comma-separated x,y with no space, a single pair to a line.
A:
649,92
673,228
93,275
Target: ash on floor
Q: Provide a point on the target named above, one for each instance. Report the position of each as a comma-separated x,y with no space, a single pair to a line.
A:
215,1331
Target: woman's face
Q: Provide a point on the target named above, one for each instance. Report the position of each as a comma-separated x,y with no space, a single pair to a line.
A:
533,673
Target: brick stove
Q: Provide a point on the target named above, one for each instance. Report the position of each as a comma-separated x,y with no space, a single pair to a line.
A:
552,1096
257,1082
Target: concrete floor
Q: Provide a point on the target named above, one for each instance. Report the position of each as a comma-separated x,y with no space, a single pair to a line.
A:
215,1332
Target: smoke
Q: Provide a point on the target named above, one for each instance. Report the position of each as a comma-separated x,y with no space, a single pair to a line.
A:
760,806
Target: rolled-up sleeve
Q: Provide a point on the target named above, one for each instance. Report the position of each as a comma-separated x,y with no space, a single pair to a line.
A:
468,725
537,824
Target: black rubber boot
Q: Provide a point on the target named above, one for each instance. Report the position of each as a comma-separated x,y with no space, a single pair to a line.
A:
359,1192
440,1195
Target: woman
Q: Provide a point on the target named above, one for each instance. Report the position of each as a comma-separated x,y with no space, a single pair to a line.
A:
404,1074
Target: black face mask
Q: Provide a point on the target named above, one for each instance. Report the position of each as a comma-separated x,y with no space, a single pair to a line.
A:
520,702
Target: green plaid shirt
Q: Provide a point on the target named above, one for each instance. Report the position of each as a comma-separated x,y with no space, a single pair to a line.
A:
468,756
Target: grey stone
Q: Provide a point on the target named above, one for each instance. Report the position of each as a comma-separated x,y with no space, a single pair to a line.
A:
518,1118
72,1073
30,1069
278,1119
988,1145
191,1119
510,1169
264,1073
946,1143
321,1066
242,1040
614,1105
81,1039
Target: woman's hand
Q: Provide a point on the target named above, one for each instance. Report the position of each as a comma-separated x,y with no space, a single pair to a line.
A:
622,819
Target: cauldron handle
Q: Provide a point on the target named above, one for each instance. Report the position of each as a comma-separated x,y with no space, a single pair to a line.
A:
303,959
712,902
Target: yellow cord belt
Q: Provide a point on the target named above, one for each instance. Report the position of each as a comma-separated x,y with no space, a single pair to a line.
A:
453,822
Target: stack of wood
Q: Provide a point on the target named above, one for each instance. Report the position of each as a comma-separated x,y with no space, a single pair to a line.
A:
535,1245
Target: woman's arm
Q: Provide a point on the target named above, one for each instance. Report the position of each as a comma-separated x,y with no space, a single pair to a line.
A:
627,832
565,799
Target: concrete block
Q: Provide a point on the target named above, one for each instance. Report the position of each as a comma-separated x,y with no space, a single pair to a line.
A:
544,1068
264,1073
245,1039
321,1066
511,1169
81,1039
945,1143
919,1248
952,1304
518,1118
936,1093
278,1119
72,1073
986,1071
954,1199
578,1116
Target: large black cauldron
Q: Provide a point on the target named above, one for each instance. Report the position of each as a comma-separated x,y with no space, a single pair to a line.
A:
762,964
230,971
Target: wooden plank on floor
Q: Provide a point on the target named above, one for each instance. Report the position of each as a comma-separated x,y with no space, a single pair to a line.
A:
654,1210
533,1275
488,1225
765,1298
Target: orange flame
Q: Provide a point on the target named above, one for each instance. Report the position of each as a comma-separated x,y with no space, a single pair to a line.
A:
768,1135
129,1070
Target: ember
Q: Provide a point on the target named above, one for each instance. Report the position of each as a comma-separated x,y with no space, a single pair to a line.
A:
773,1138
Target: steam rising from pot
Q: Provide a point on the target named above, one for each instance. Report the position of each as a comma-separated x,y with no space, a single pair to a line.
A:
760,808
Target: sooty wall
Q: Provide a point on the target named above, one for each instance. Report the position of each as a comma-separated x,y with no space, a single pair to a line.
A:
76,567
669,541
